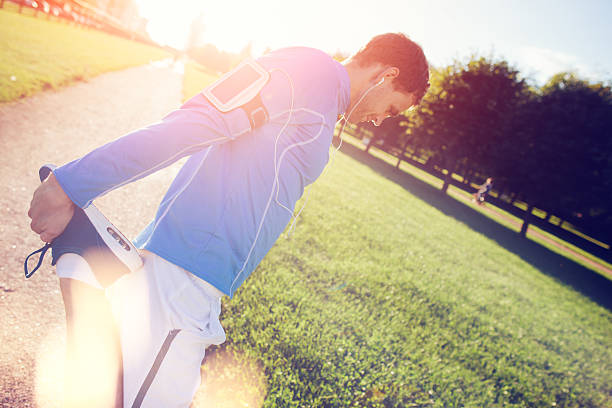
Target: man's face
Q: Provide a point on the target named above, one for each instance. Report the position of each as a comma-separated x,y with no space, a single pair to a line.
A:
380,103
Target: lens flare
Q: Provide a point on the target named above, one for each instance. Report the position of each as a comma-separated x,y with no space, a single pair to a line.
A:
230,379
80,366
49,372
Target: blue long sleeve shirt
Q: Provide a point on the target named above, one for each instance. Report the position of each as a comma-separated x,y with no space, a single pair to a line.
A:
235,194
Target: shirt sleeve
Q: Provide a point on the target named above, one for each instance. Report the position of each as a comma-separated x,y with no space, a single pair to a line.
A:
135,155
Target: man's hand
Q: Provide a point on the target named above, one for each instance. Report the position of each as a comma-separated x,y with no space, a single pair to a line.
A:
50,210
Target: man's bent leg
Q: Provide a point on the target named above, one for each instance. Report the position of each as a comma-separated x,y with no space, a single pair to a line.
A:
93,355
166,323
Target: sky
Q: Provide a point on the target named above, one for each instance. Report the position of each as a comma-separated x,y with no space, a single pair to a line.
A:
538,37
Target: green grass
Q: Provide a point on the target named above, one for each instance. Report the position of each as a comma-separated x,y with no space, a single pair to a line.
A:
391,295
382,300
37,54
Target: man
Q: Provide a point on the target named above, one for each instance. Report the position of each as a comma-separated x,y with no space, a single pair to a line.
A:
225,209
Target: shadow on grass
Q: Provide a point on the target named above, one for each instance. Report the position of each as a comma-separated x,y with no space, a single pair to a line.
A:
582,279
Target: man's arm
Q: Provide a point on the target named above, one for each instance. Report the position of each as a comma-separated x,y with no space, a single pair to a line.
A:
181,133
189,129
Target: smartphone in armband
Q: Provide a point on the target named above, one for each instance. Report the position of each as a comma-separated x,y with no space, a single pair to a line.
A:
240,88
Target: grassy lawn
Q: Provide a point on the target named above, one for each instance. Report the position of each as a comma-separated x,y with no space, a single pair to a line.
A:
38,54
391,295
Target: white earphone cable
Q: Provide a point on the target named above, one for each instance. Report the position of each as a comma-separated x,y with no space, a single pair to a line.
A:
346,118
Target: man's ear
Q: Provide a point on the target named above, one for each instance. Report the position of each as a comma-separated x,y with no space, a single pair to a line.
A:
390,73
387,74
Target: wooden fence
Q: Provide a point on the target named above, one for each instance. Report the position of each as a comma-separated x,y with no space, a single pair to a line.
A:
76,12
523,211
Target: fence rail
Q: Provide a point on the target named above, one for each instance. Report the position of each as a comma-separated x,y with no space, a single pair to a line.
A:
581,240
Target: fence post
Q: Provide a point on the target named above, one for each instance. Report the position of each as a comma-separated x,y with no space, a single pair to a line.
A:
449,176
447,179
526,219
401,156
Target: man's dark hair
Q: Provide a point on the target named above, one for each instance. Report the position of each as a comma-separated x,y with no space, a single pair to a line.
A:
397,50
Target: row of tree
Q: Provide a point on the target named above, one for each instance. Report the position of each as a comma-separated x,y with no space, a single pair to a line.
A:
548,146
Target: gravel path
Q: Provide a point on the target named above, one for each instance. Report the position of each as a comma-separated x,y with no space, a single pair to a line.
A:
56,127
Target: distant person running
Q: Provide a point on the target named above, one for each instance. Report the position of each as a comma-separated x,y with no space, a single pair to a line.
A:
483,190
225,209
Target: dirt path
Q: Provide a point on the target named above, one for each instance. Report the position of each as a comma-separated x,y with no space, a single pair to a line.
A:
56,127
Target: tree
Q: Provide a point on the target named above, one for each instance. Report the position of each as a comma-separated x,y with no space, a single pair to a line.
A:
463,120
196,31
565,166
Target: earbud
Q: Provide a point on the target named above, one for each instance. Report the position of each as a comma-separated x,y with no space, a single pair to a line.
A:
381,81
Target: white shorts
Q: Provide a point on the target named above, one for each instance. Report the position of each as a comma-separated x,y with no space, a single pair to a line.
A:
74,266
167,317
